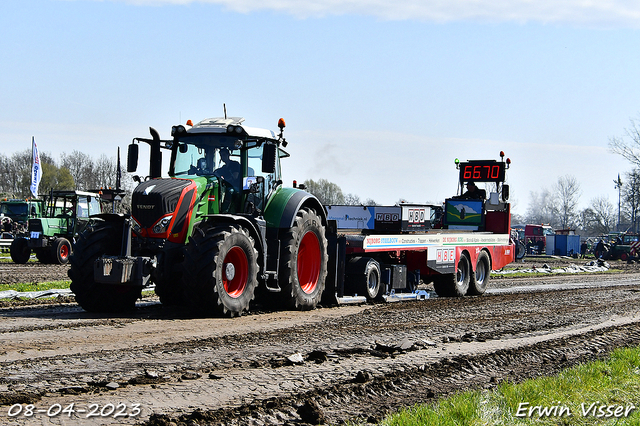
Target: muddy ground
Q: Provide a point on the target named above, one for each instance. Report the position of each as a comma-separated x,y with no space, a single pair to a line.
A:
162,366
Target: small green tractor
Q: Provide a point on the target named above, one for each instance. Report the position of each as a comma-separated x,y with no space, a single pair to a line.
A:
51,236
220,231
15,214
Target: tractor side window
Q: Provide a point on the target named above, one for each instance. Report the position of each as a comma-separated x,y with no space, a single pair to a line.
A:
94,206
82,208
254,168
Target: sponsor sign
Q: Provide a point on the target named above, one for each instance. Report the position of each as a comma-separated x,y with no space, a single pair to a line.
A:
400,242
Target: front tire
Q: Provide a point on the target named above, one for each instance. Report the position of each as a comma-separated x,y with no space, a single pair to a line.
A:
220,270
303,261
101,238
20,251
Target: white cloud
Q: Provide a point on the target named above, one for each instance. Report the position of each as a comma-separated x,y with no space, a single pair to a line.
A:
590,13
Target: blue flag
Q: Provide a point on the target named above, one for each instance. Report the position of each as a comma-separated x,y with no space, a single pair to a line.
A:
36,168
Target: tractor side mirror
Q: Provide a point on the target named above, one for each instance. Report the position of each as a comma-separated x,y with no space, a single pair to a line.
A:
269,153
132,158
505,192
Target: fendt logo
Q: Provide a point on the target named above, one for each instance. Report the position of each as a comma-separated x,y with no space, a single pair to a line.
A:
417,215
387,217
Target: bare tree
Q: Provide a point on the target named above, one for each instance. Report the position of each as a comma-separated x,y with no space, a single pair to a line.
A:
567,191
352,200
631,197
600,217
16,174
327,192
628,145
80,166
541,208
105,170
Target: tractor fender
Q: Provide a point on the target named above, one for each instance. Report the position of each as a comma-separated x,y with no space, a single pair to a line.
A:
253,228
283,206
111,217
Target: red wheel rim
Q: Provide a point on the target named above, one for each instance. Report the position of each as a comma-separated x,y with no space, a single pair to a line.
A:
235,261
64,252
309,261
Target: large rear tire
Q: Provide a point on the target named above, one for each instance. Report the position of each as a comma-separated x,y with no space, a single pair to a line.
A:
454,285
480,278
101,238
20,251
303,261
220,270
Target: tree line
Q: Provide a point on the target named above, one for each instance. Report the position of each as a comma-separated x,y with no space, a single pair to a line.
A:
75,171
558,206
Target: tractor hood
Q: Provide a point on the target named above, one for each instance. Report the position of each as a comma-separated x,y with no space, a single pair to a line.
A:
162,207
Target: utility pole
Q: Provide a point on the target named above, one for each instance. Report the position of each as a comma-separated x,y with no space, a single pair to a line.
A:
618,186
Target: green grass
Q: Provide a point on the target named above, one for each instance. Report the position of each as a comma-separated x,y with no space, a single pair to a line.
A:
35,286
573,397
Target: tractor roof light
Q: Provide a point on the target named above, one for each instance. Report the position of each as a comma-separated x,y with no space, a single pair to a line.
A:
235,129
281,138
177,130
189,123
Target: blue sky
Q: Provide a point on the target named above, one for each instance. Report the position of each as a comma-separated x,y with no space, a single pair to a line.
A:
378,97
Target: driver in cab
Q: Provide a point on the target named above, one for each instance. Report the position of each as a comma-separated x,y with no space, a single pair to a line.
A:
473,192
231,170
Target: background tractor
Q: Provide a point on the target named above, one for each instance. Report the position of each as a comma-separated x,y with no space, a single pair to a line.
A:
51,236
15,214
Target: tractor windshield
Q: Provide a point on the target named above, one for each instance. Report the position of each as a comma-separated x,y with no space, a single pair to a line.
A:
207,155
14,209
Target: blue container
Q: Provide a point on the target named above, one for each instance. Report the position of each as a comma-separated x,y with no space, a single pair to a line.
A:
566,245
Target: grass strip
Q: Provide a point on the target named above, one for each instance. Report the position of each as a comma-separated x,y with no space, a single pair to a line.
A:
597,393
24,287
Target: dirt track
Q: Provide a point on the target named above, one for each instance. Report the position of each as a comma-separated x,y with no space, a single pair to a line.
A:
329,365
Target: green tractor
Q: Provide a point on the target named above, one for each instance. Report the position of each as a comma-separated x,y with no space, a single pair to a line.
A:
51,236
219,232
15,214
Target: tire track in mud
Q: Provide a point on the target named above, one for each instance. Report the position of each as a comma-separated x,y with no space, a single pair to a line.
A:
12,273
369,397
332,364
